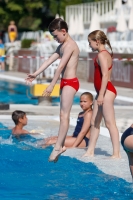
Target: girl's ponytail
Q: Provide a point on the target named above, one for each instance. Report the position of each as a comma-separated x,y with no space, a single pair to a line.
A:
108,43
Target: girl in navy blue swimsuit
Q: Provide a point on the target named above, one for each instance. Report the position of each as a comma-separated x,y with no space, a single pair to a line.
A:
80,137
127,143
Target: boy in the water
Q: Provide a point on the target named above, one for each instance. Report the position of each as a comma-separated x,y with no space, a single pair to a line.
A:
20,120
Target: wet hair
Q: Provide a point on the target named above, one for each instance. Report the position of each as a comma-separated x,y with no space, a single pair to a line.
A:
16,115
87,94
58,24
100,35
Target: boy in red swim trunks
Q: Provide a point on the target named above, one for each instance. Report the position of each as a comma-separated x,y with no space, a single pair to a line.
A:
106,93
69,53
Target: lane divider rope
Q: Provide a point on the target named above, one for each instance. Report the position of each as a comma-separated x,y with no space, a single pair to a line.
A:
42,57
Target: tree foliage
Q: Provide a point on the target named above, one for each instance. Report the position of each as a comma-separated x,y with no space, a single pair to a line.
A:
33,14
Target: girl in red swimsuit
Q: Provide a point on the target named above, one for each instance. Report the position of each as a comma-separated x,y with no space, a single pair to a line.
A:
106,93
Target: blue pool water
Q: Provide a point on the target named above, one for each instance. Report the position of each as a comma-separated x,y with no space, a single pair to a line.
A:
13,93
26,174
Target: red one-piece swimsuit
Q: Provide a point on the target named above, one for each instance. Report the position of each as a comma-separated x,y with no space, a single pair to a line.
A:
98,78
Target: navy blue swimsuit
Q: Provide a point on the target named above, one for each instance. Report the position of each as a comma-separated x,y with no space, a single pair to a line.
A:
78,128
126,133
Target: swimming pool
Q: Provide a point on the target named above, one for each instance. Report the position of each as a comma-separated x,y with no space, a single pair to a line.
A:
26,174
15,93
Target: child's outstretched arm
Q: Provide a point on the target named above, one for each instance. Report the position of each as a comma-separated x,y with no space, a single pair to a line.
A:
84,130
64,60
49,61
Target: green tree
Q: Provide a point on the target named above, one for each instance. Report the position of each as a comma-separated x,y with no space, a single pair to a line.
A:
24,13
33,14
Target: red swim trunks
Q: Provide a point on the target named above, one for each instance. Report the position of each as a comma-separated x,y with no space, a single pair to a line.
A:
73,82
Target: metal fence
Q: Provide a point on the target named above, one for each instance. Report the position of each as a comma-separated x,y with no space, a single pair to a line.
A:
87,10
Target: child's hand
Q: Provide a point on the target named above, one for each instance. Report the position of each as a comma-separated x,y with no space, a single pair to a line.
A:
100,100
30,78
48,91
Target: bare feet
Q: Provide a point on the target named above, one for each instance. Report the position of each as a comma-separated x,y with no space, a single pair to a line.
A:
87,154
115,156
55,154
48,141
91,155
43,143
